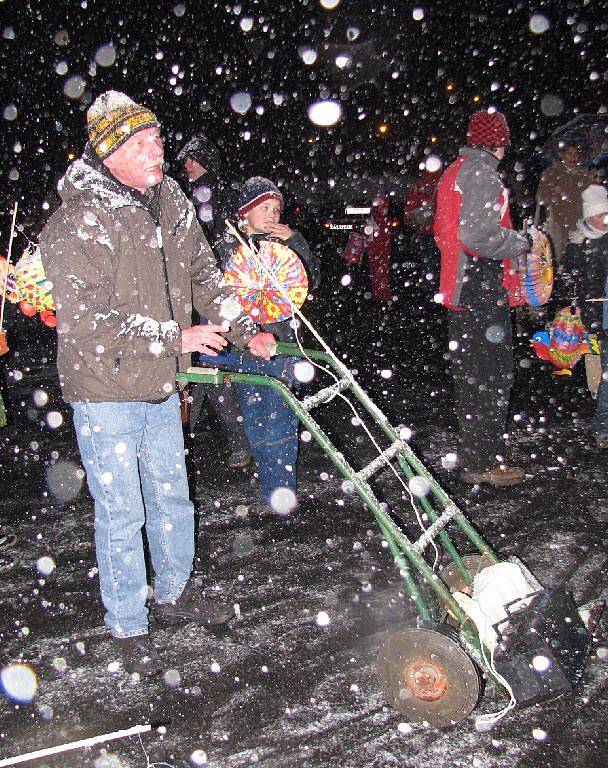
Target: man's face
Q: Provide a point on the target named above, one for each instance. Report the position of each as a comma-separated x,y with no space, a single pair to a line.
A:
194,169
138,163
570,156
267,212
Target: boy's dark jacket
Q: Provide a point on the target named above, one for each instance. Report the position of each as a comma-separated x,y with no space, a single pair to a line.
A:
226,246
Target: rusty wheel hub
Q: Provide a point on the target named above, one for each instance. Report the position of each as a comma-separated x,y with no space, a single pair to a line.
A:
425,679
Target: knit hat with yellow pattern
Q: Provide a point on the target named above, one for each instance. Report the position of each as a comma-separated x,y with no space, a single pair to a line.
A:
113,118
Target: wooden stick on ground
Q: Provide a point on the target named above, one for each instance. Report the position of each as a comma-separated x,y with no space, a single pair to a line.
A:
75,745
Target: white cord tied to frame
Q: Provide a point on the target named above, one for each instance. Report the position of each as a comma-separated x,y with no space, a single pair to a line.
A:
342,368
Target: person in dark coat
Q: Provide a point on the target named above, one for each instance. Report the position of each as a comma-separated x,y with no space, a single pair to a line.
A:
418,218
585,274
211,199
212,195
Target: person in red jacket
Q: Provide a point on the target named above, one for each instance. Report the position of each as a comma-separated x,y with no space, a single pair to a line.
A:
478,285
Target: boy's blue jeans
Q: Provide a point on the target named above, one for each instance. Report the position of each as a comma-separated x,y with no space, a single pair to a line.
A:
270,424
133,454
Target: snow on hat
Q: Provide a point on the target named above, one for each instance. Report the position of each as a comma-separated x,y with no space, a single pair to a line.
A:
202,150
113,118
595,201
488,129
254,191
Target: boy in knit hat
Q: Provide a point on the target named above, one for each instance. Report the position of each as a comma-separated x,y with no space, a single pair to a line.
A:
585,274
127,261
478,284
271,426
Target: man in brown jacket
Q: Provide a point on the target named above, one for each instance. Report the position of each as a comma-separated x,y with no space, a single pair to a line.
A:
128,262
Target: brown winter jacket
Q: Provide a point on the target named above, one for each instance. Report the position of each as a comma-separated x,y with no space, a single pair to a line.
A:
126,270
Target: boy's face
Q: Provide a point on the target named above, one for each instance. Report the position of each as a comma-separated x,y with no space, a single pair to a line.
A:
267,212
599,222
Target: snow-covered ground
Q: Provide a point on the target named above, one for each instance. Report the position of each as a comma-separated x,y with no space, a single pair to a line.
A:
282,685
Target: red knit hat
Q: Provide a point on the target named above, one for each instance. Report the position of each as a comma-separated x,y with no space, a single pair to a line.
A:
488,130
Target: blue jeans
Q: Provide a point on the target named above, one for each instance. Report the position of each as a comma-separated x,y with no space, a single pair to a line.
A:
270,424
133,454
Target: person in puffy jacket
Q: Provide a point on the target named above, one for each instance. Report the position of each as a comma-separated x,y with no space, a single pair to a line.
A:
478,283
128,261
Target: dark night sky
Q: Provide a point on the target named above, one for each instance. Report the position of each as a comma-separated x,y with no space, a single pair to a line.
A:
432,68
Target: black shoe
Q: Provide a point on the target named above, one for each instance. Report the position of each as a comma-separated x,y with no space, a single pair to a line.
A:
8,560
138,655
239,458
262,510
7,540
498,476
190,607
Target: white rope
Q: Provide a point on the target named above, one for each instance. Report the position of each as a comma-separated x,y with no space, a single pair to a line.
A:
148,763
343,369
491,718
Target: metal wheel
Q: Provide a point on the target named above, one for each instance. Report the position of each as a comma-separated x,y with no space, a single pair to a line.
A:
452,578
427,675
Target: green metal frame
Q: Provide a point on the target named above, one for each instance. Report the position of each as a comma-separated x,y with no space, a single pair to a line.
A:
438,507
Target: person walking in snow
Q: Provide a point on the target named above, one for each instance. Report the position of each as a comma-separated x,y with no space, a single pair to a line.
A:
478,284
585,272
212,200
127,262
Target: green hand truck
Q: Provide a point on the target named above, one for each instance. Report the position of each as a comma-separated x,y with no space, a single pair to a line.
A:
434,670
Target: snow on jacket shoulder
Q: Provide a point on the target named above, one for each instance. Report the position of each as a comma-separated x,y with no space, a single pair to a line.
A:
126,270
